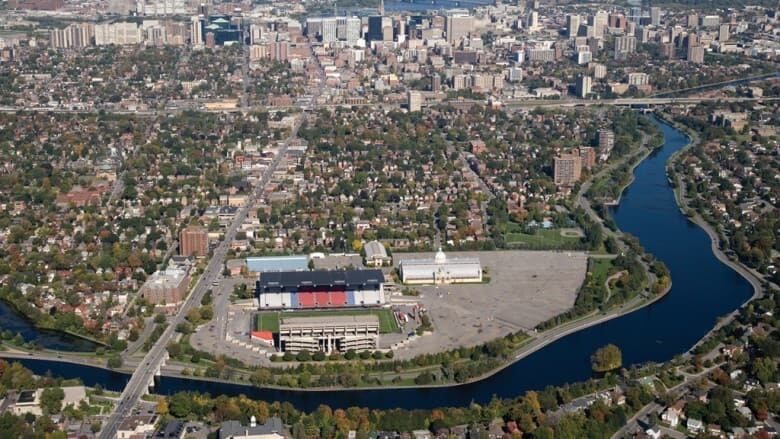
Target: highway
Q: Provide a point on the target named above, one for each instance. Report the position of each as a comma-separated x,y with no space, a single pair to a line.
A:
144,373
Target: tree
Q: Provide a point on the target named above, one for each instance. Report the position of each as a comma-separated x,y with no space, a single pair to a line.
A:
114,362
51,400
606,358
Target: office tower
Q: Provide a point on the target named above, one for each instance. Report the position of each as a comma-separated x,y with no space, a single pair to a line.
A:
635,14
599,70
572,25
196,31
567,169
583,85
696,54
328,32
624,45
532,21
379,29
458,26
723,32
435,83
599,22
414,100
194,241
655,16
710,21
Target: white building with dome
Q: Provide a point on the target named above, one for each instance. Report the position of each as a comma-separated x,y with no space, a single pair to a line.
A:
440,270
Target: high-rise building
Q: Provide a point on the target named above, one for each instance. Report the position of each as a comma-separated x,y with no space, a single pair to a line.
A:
696,54
624,45
532,21
588,156
194,241
572,25
196,31
606,141
710,21
723,32
74,35
435,83
599,21
599,70
567,169
122,33
638,79
414,100
655,15
457,26
583,85
379,28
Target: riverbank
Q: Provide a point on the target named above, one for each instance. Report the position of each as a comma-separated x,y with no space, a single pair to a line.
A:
715,240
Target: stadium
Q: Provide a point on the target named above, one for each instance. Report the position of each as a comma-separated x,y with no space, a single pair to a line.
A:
320,289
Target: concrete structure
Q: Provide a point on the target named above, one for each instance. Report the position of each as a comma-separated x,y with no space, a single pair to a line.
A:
583,85
458,25
606,141
273,428
624,45
194,241
572,25
328,333
122,33
568,169
320,289
414,100
696,54
167,287
376,254
440,270
74,35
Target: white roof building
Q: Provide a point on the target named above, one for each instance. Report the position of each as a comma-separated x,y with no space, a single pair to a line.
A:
440,270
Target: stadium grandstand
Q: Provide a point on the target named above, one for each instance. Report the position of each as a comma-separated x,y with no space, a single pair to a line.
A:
320,289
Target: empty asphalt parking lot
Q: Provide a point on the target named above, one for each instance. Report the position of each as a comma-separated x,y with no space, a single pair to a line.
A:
525,288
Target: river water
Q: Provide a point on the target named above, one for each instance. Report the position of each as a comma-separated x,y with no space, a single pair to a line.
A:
703,289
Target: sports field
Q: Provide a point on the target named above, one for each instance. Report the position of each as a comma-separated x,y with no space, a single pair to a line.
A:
269,321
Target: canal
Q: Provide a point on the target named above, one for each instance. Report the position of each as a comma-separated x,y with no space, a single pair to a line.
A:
703,289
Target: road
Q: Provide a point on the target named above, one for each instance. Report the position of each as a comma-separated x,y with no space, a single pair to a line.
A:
144,374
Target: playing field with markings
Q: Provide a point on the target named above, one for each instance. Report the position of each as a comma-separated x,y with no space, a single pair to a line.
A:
269,321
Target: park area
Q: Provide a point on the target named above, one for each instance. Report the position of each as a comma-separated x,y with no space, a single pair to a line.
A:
544,239
269,321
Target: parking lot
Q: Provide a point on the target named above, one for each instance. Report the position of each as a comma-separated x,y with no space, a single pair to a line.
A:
525,288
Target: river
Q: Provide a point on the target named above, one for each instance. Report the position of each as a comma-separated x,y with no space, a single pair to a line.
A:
703,289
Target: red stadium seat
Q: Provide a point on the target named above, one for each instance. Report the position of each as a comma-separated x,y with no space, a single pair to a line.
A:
338,298
306,300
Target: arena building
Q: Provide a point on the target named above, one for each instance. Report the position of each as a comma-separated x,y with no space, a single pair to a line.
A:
328,333
320,289
440,270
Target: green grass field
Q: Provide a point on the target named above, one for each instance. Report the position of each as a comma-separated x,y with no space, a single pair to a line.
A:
599,269
269,321
543,238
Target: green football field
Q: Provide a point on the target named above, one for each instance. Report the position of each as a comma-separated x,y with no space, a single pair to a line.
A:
269,321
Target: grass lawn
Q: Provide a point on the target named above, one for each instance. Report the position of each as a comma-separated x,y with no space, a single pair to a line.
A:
599,269
543,238
269,321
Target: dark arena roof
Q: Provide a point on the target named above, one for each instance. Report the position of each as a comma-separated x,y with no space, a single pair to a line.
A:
293,281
